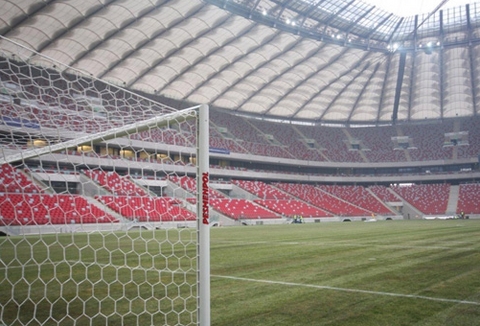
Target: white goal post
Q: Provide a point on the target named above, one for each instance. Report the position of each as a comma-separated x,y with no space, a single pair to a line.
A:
94,228
203,218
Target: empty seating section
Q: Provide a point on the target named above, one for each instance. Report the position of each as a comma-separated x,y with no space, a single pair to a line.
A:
50,104
300,150
427,198
323,200
279,201
165,136
148,209
425,140
47,105
473,148
190,185
114,183
384,194
31,209
50,108
429,139
238,127
266,150
238,209
251,138
13,180
261,189
54,117
127,108
187,183
469,198
133,202
23,203
292,207
359,196
388,155
287,135
229,144
334,143
378,144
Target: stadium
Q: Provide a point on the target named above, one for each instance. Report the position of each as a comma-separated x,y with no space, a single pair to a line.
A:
117,199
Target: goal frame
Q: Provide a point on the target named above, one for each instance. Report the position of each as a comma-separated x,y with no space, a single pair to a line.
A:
202,208
198,112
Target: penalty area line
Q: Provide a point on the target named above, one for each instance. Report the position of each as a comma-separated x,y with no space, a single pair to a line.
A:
333,288
313,286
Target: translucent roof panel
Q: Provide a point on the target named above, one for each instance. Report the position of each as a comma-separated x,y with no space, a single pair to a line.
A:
315,60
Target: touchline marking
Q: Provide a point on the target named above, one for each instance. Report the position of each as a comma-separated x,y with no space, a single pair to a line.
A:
324,287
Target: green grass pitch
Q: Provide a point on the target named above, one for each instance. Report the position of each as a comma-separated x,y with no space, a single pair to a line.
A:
381,273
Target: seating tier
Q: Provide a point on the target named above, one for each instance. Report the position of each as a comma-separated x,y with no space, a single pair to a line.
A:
148,209
28,209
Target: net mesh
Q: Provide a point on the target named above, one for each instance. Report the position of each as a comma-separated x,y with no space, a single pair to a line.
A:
95,230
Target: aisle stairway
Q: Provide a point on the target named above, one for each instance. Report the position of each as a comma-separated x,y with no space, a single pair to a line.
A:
453,200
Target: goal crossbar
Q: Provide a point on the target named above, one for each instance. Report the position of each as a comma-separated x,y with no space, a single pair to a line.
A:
158,121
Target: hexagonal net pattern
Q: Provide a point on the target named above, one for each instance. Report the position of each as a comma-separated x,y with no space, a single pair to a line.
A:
95,232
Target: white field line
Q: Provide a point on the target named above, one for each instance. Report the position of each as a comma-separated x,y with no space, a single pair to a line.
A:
347,244
332,288
312,286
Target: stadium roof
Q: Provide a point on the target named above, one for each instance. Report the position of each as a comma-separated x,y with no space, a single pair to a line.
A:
315,60
407,8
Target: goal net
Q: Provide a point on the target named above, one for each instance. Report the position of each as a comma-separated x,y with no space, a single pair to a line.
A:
96,227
